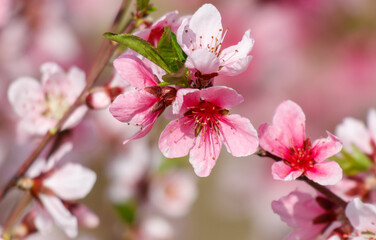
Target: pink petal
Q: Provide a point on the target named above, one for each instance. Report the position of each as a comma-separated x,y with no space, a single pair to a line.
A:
184,36
177,138
49,69
221,96
325,173
75,118
308,232
146,126
326,147
238,135
133,106
204,61
206,22
362,216
287,130
77,80
62,217
205,152
353,132
371,121
282,171
298,209
71,182
185,98
26,96
134,71
85,216
235,59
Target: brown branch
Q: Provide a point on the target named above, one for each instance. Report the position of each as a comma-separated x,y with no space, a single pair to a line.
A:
104,54
16,211
324,190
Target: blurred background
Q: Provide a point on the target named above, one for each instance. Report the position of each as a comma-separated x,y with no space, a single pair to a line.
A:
320,54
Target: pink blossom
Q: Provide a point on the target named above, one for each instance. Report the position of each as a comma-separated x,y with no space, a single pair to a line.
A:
310,216
143,105
353,132
55,187
173,193
203,126
286,139
201,38
41,105
362,217
153,33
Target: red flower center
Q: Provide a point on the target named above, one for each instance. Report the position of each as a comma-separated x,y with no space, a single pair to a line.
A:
300,158
206,117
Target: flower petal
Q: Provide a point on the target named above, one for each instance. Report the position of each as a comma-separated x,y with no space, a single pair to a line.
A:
133,106
238,135
146,127
58,155
26,96
362,216
134,71
326,147
185,98
221,96
287,130
205,152
371,121
71,182
235,59
177,138
282,171
204,61
353,132
206,22
62,217
325,173
297,209
85,216
75,118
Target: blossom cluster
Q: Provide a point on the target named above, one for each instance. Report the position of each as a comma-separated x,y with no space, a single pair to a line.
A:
171,68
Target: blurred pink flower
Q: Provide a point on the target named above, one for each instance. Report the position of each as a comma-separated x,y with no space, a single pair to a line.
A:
286,139
41,105
362,217
173,193
203,126
310,216
143,105
155,228
4,11
201,38
353,132
54,186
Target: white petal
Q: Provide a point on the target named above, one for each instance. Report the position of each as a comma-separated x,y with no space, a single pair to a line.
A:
204,61
62,217
71,182
48,69
57,155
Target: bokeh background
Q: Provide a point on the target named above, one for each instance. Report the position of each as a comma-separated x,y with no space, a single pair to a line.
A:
318,53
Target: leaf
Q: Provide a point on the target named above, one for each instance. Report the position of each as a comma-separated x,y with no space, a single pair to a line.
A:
176,78
353,163
171,50
142,47
142,5
127,211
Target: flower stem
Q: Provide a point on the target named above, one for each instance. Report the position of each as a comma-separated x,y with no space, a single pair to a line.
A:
104,55
16,212
322,189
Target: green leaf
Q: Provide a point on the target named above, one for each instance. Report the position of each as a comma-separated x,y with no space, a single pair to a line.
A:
176,78
353,163
142,5
171,50
142,47
127,211
150,10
